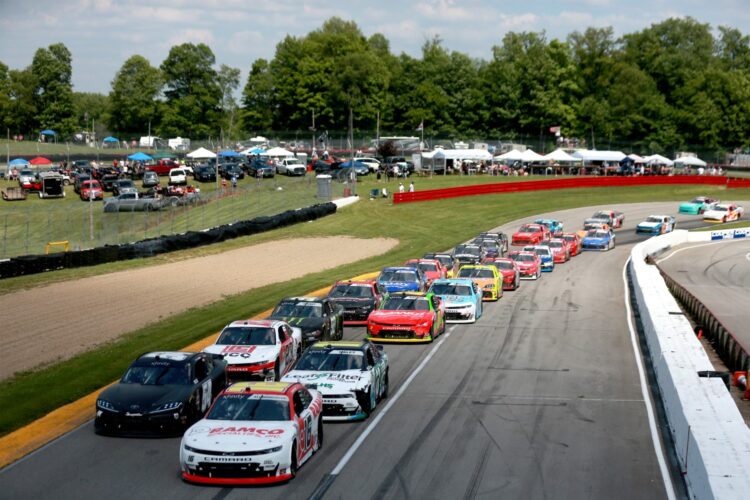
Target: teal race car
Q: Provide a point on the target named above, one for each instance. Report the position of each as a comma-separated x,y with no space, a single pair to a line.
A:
462,298
698,205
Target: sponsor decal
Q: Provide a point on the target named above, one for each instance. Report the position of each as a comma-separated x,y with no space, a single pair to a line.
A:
728,234
238,349
334,376
235,431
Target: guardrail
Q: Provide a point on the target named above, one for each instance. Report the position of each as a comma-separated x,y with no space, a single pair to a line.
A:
711,438
568,183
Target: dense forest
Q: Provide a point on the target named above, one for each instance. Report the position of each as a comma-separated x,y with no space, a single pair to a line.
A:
675,83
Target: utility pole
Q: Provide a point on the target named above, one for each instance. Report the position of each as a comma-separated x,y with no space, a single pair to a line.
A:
312,129
377,133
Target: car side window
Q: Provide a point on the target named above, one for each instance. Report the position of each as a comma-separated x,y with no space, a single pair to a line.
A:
209,364
201,370
370,358
282,334
287,330
305,398
297,402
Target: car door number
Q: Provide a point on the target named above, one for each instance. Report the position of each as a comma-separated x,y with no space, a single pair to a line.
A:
206,395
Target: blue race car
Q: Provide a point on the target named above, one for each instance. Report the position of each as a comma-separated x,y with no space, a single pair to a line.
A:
555,226
401,279
598,239
462,299
656,224
545,255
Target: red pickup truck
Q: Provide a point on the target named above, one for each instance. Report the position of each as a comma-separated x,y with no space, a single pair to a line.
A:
162,167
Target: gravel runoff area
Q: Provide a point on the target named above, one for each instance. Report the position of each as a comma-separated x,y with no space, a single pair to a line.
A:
72,320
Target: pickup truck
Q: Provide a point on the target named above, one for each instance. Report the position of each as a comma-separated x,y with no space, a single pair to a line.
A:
133,202
162,167
291,166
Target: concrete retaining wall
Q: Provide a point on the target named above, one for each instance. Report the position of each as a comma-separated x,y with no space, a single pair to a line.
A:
711,438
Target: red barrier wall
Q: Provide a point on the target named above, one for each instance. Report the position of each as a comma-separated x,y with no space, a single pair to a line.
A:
567,183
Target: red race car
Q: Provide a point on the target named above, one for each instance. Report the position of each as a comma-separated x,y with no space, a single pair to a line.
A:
560,250
358,298
509,269
431,268
531,234
529,264
407,317
574,243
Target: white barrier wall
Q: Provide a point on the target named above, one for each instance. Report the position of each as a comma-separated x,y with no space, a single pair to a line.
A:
711,439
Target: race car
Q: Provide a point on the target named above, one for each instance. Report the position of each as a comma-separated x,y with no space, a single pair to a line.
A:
723,213
598,239
358,298
446,259
501,238
545,255
555,226
432,269
698,205
487,277
529,264
401,279
612,218
656,224
160,393
509,271
560,250
468,254
574,243
254,433
462,299
590,223
352,377
407,317
319,318
490,247
531,234
258,349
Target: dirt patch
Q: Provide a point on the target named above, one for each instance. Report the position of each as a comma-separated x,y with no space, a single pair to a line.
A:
71,320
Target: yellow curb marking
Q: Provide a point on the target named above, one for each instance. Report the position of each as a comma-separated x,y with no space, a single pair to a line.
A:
33,436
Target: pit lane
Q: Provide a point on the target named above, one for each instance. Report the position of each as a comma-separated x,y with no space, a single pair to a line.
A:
539,399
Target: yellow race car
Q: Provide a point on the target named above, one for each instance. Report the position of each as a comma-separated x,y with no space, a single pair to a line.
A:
489,279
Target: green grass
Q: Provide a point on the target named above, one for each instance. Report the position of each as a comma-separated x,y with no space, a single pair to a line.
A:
33,148
419,227
729,225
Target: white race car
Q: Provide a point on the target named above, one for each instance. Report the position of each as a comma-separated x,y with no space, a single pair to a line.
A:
258,349
724,213
352,376
656,224
254,433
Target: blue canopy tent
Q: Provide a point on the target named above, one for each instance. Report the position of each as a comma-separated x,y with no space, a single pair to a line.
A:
18,162
229,154
111,139
110,142
47,133
139,157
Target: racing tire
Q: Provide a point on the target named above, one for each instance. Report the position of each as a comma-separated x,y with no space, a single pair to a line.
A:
293,462
724,220
538,273
384,392
517,283
276,371
319,440
614,243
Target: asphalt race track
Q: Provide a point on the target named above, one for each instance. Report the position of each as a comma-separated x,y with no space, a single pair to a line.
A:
718,274
540,399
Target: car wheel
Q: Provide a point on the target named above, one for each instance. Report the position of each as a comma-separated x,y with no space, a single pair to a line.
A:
276,371
384,390
517,283
724,219
293,460
319,440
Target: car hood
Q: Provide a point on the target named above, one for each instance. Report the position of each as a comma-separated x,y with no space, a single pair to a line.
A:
305,324
137,398
524,235
238,435
330,382
243,354
690,205
400,317
592,239
453,300
649,224
354,302
483,281
398,286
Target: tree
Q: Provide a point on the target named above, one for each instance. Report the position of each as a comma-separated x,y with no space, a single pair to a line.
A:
733,49
134,98
4,95
192,91
91,106
52,71
258,98
21,117
228,80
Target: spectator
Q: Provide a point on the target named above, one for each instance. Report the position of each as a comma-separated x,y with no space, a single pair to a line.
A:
400,187
234,181
385,193
411,187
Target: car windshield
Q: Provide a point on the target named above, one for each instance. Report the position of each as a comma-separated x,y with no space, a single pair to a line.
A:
490,244
475,272
527,228
427,267
539,251
293,161
247,335
331,360
90,184
600,215
555,244
721,209
522,257
445,260
653,219
503,264
696,200
157,373
468,249
250,407
597,234
299,309
351,291
450,289
569,237
407,303
398,276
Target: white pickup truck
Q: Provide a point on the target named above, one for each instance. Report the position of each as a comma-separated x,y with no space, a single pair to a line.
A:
291,166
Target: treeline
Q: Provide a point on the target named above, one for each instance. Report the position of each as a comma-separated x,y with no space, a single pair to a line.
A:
671,84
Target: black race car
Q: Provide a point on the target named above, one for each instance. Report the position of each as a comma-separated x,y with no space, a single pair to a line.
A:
161,393
318,317
501,238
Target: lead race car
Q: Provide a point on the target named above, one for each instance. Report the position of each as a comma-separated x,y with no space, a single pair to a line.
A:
407,317
462,299
254,433
531,234
258,349
160,393
725,212
352,376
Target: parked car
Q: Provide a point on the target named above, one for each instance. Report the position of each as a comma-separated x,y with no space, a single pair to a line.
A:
162,167
372,163
108,181
150,179
122,186
133,202
291,166
79,179
232,170
265,167
177,176
91,190
204,173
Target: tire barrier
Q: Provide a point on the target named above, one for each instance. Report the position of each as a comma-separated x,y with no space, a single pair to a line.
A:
33,264
567,183
730,350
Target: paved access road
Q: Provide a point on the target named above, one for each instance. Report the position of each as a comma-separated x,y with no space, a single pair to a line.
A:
540,399
718,274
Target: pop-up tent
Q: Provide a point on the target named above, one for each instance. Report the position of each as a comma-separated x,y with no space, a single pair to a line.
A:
531,156
277,152
48,132
40,160
689,161
110,139
560,156
18,162
595,155
139,157
512,155
253,151
229,153
658,160
201,153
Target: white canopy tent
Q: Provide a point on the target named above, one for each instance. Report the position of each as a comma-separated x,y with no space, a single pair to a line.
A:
277,152
595,155
466,154
690,161
512,155
531,156
560,155
201,154
636,158
658,160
